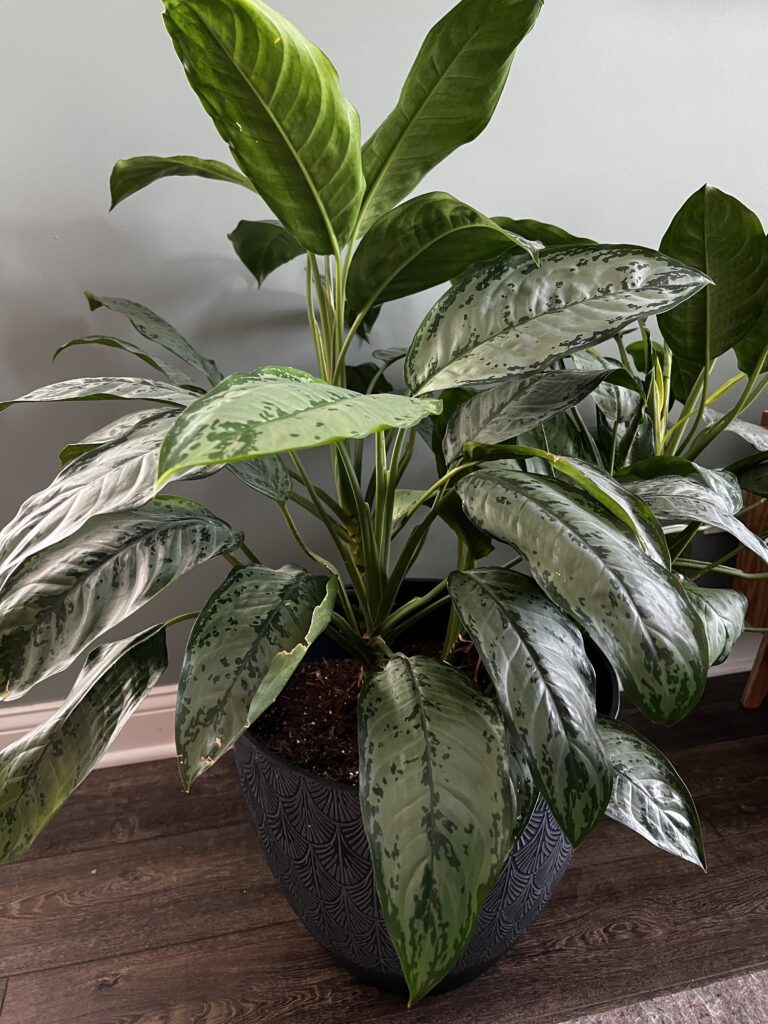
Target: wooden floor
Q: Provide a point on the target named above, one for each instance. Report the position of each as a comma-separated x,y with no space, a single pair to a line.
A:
140,904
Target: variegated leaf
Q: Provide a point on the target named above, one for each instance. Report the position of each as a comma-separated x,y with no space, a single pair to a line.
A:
437,808
83,389
245,646
248,416
521,404
752,433
511,316
545,685
170,372
649,796
132,175
102,435
40,771
592,567
58,601
722,611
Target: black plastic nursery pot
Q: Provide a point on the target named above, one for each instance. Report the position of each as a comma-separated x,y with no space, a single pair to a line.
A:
312,834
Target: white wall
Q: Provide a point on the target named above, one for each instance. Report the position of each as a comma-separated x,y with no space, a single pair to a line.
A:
615,112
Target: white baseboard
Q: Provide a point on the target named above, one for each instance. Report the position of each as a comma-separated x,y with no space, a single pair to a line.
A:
148,735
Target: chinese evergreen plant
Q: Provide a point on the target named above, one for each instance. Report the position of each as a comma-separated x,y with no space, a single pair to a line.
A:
492,380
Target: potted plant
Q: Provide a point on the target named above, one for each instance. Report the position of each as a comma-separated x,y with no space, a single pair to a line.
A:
482,756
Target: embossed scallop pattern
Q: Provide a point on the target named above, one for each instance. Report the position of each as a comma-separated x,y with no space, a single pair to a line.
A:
312,835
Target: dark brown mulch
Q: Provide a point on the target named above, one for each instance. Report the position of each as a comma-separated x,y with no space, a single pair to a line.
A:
313,723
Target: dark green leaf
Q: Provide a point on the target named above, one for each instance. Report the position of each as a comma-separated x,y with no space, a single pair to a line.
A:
592,567
511,316
58,601
722,611
248,640
276,101
437,808
547,234
263,246
132,175
361,377
649,796
40,771
545,685
752,350
448,97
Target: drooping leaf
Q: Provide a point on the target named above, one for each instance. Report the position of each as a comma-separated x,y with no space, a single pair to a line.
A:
754,478
248,416
40,771
636,610
722,611
365,327
423,243
547,234
649,796
62,598
263,246
170,372
558,435
82,389
689,499
437,808
511,316
752,433
248,640
367,378
718,235
267,475
154,328
132,175
618,400
521,404
276,101
545,685
448,97
102,435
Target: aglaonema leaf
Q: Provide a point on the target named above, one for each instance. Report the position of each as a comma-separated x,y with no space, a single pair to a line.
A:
545,685
132,175
547,234
722,611
511,316
168,370
40,771
83,389
276,101
263,246
637,612
244,647
437,808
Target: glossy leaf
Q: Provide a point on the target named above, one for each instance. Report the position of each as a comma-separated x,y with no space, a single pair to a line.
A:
82,389
545,685
132,175
752,433
102,435
637,611
521,404
448,97
59,600
719,236
752,350
276,101
248,416
267,475
170,372
722,611
247,642
40,771
263,246
547,234
154,328
617,399
649,796
558,435
423,243
511,316
437,808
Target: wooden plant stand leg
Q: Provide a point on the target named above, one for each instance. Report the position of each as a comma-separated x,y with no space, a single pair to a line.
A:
756,689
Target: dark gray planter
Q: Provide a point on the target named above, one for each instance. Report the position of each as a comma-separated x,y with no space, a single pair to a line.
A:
312,834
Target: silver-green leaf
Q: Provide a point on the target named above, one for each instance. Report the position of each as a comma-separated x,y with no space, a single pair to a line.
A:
83,389
722,611
168,370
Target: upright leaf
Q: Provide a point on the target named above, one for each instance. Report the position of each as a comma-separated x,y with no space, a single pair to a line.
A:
718,235
511,316
424,242
40,771
276,101
637,612
545,685
58,601
82,389
722,611
437,808
448,97
248,416
649,796
263,246
132,175
244,647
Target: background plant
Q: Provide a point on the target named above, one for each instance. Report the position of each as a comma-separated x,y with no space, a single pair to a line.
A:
492,381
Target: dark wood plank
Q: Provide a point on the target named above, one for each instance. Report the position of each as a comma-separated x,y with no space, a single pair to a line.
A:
3,986
138,802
